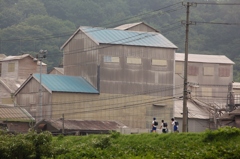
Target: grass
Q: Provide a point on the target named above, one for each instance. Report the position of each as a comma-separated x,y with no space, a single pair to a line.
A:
219,144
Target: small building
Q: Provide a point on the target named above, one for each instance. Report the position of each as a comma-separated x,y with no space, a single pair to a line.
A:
14,71
57,96
77,127
20,67
15,119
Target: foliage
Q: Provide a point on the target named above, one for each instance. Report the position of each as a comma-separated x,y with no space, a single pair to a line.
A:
30,25
25,146
222,143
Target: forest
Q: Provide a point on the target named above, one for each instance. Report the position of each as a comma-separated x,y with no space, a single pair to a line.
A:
27,26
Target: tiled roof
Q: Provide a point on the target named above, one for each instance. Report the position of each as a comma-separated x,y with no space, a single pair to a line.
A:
62,83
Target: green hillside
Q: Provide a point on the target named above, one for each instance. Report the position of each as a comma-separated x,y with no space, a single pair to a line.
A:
28,26
223,143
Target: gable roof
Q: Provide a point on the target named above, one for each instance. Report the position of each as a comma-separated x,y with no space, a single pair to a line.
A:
14,114
131,25
9,58
62,83
19,57
124,37
11,84
221,59
58,69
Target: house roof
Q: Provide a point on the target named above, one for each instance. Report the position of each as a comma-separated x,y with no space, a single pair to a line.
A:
124,37
194,110
9,58
130,25
221,59
11,84
62,83
19,57
14,114
83,124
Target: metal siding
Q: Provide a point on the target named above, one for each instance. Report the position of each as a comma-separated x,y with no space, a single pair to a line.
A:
26,67
130,78
134,110
81,59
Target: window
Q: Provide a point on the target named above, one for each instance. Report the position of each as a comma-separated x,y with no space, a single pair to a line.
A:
11,67
7,101
208,71
110,59
131,60
179,68
224,72
159,62
192,70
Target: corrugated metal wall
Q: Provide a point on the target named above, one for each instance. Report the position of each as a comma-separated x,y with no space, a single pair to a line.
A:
140,85
208,85
29,99
135,111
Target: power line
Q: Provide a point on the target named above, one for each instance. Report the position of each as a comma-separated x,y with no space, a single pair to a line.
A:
217,23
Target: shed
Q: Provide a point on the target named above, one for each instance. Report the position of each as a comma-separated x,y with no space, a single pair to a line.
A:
81,127
16,119
55,88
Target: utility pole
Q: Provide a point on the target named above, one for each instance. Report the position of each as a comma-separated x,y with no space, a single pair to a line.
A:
40,56
63,124
185,89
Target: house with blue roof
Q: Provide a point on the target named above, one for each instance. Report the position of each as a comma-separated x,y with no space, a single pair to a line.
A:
132,67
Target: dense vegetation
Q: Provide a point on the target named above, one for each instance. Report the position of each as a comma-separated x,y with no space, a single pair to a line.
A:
223,143
30,25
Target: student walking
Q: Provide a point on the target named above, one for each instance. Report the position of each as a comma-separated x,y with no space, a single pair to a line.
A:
175,125
154,125
164,127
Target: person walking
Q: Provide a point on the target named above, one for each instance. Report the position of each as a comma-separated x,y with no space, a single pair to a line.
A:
154,125
164,127
175,125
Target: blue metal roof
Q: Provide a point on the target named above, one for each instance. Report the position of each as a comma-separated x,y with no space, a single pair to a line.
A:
126,37
62,83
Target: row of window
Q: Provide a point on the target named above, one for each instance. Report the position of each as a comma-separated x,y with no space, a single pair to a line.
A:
131,60
207,71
